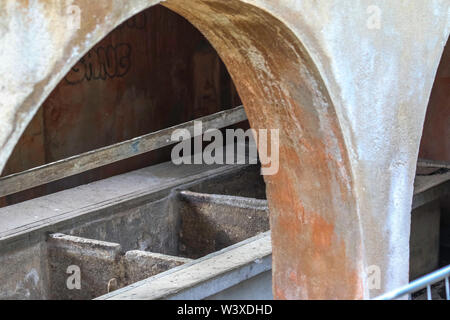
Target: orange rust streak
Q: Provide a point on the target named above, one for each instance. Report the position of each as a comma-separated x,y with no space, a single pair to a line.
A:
312,262
322,233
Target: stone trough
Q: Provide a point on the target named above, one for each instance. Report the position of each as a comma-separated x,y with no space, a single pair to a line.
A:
112,233
165,232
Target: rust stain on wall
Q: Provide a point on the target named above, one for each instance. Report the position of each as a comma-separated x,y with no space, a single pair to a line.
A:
311,261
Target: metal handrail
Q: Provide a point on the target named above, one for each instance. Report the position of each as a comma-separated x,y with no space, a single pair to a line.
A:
419,284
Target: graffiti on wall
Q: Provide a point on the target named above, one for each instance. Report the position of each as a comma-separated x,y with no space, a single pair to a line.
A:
101,63
107,61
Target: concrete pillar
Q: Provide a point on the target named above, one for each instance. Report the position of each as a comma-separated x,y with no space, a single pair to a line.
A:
346,83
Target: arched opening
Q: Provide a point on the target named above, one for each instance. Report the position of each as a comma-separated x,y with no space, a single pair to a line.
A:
430,220
152,72
311,198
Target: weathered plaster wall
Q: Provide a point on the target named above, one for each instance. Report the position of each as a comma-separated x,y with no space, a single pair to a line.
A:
349,100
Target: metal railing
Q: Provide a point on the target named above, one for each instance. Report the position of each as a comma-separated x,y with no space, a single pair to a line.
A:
419,284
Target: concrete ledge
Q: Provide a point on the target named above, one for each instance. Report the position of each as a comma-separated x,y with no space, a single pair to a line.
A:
204,277
27,222
140,265
98,264
430,188
75,246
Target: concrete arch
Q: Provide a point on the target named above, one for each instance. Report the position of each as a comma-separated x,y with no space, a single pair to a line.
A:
281,89
314,255
330,220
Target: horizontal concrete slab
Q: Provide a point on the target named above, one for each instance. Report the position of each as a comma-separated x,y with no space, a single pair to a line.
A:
43,214
206,276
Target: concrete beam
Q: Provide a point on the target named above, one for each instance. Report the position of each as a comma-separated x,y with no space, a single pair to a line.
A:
204,277
110,154
140,265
